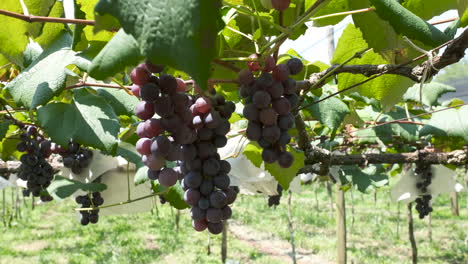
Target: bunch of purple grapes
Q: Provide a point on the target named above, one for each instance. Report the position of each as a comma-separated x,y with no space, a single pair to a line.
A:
87,201
206,183
423,203
189,131
75,157
269,99
161,138
34,168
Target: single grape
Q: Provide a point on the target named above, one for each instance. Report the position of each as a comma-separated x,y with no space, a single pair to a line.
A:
227,212
271,133
286,122
212,119
215,228
269,155
222,181
140,75
261,99
280,72
285,159
168,83
220,141
149,92
193,179
295,66
153,175
293,100
290,86
153,162
253,64
154,68
214,215
168,177
206,188
181,86
199,225
223,128
254,131
251,112
160,146
211,167
269,64
197,213
136,90
245,77
282,106
268,116
203,203
218,199
163,106
143,146
202,105
225,166
144,110
152,128
276,90
192,197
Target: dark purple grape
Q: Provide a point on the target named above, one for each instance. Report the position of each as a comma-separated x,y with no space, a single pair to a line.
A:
270,63
222,181
282,106
290,86
197,213
204,203
153,162
293,100
295,66
280,72
214,215
160,146
163,106
231,194
154,68
245,77
153,175
206,187
268,116
220,141
199,225
286,122
223,128
280,5
251,112
285,159
261,99
143,146
215,228
212,119
218,199
168,83
227,212
149,92
211,167
269,155
271,133
152,128
225,167
193,179
168,177
254,131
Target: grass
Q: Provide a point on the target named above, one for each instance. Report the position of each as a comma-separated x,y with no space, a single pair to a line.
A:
51,234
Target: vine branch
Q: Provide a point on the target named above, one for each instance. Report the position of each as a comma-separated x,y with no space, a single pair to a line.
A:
31,18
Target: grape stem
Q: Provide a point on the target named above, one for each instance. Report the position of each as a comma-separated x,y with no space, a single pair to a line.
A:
31,19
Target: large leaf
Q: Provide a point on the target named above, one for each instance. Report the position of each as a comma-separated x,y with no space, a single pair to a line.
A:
330,112
448,123
175,197
253,152
431,92
389,89
46,76
4,125
335,6
89,120
121,51
371,177
121,101
179,33
408,24
62,187
15,32
426,9
463,12
52,31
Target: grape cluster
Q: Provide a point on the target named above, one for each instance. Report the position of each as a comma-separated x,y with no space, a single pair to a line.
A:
274,200
206,182
423,202
269,99
161,138
75,157
87,201
34,168
189,131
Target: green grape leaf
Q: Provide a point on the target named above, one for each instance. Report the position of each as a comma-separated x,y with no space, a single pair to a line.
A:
253,152
121,101
175,197
408,24
371,177
431,92
427,9
62,188
389,89
129,152
121,51
87,7
335,6
52,31
89,120
45,77
4,125
448,123
285,176
330,112
178,33
463,12
15,32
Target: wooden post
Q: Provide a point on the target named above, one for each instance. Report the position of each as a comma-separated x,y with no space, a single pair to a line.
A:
340,225
4,207
414,248
291,228
454,203
429,228
330,195
224,242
